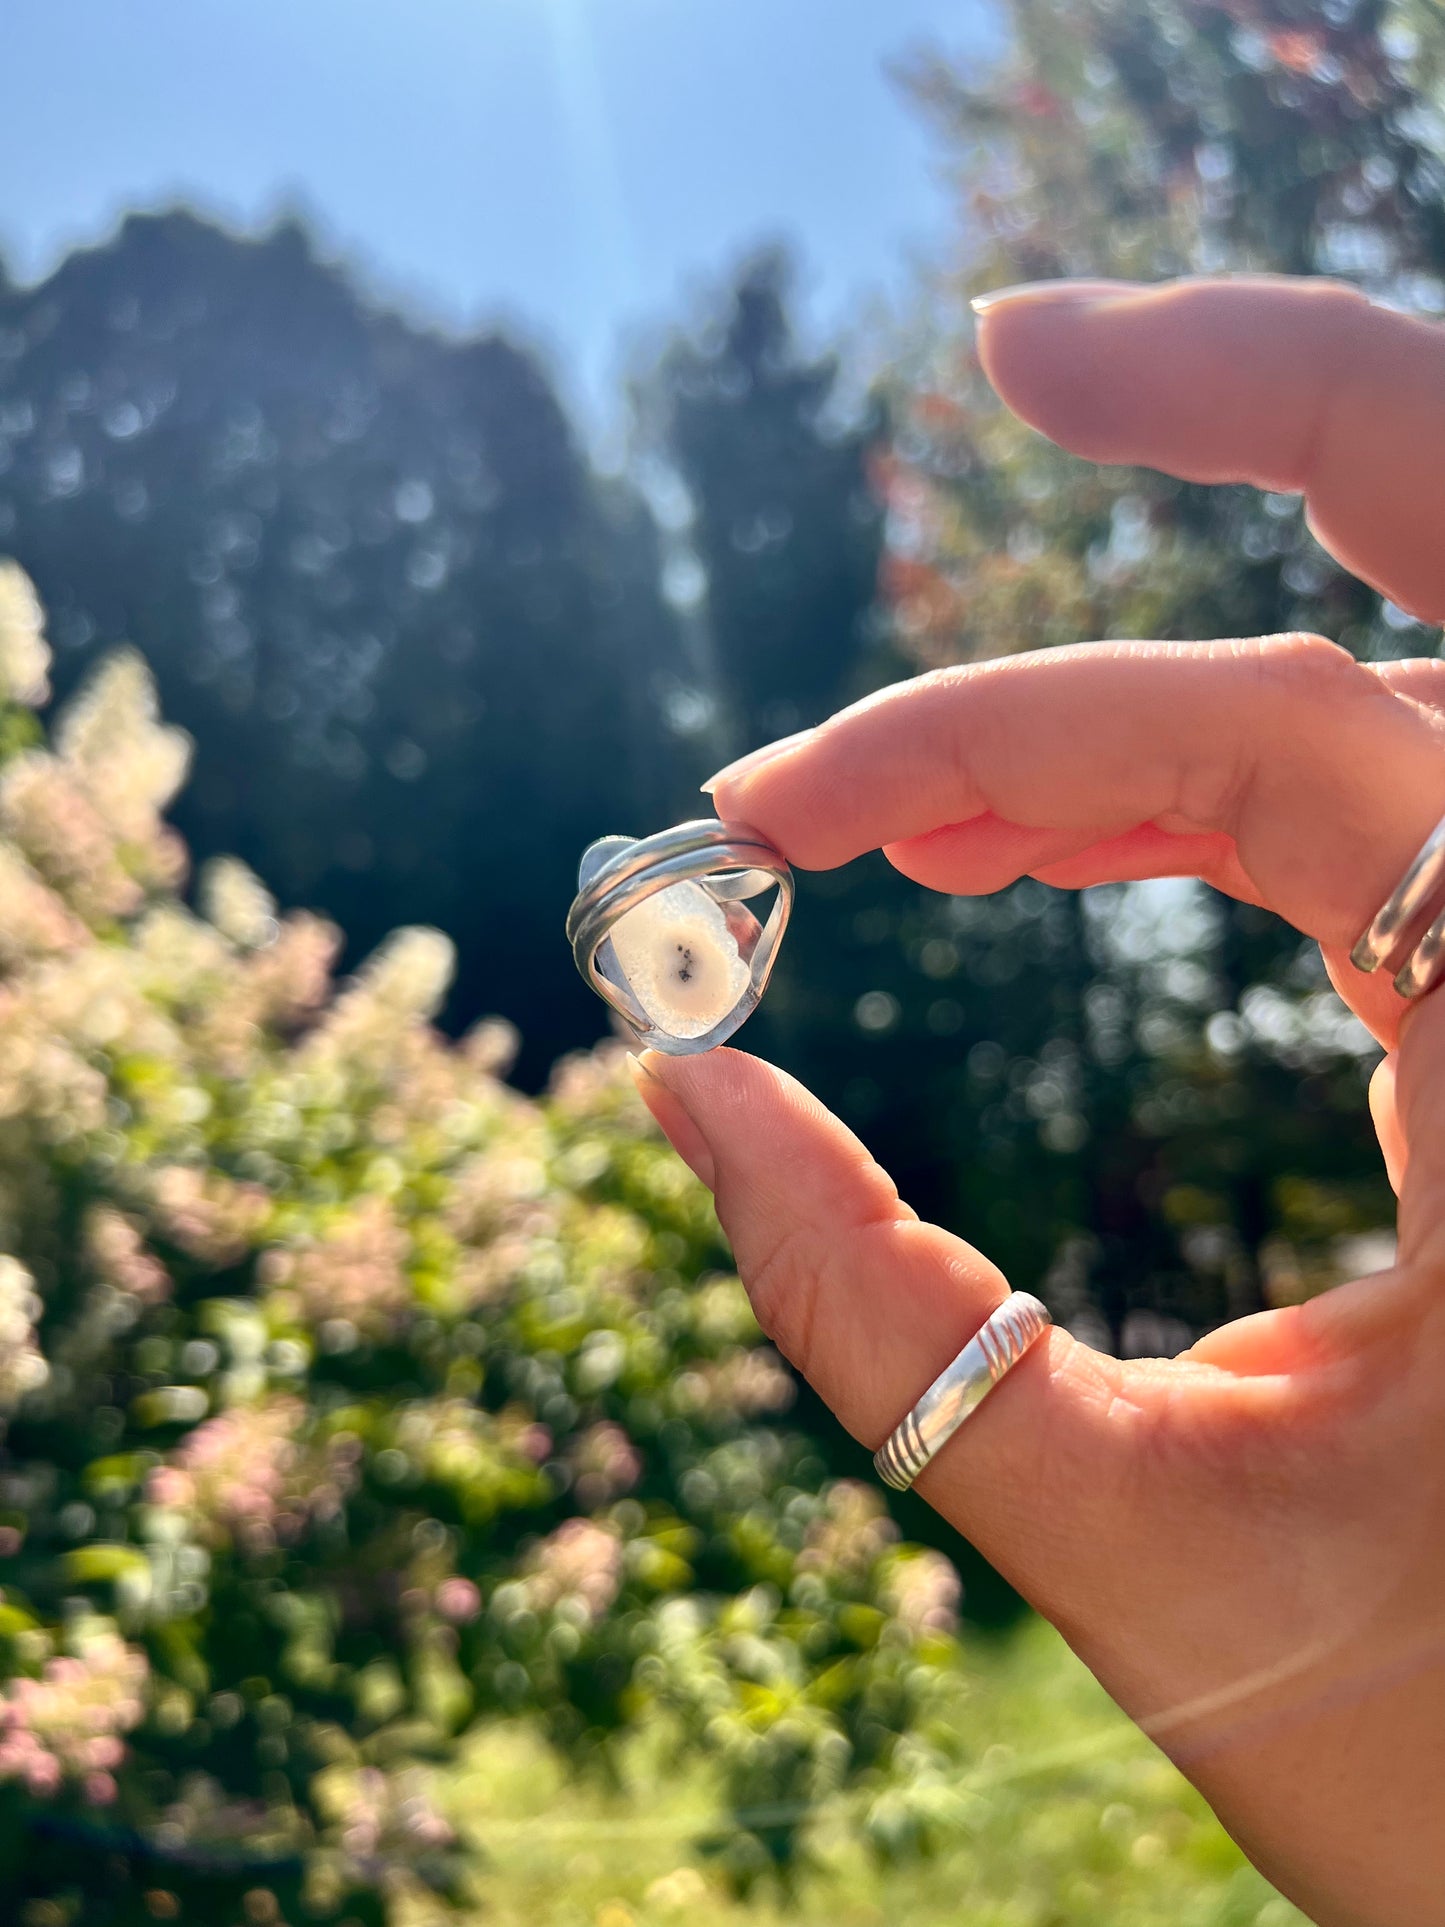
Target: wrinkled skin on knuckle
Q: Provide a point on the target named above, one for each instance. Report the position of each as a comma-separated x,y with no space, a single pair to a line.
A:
1299,672
1301,668
1297,652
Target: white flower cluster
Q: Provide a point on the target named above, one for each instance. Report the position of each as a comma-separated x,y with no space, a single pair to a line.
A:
24,653
22,1368
87,819
234,899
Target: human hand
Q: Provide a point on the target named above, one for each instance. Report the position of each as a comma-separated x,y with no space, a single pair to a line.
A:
1245,1544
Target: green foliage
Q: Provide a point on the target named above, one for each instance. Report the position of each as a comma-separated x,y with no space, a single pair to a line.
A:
1058,1810
351,1399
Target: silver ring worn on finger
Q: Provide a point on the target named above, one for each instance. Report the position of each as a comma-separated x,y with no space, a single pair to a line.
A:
1420,893
959,1391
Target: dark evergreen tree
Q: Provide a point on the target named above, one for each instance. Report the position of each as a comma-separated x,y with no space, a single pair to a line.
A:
785,524
420,644
786,527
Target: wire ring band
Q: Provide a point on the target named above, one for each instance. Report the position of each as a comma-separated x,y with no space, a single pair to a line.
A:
1419,893
620,872
957,1392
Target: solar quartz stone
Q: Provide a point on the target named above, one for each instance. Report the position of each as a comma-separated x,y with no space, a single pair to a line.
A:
680,956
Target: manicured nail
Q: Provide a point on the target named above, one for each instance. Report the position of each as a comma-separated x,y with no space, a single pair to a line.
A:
1082,293
755,759
673,1117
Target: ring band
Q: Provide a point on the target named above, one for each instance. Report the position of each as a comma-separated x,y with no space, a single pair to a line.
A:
959,1390
619,873
1419,893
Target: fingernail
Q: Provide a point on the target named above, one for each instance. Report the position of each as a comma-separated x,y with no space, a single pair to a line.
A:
755,759
674,1119
1079,293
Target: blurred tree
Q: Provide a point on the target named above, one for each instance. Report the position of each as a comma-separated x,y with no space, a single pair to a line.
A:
1166,1105
784,525
421,644
784,530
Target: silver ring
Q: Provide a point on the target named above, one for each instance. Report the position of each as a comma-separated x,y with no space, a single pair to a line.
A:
1419,892
1004,1338
709,868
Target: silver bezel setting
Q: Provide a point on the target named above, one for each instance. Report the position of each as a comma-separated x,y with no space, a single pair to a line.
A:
617,873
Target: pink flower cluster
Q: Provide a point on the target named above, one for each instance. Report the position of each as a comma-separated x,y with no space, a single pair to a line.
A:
88,819
275,988
923,1592
208,1214
57,827
37,923
290,978
390,1816
458,1600
240,1471
589,1084
355,1271
376,1030
745,1383
852,1532
67,1725
491,1046
499,1209
118,1253
580,1561
604,1463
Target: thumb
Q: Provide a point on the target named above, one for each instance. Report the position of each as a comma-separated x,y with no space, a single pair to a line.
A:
870,1305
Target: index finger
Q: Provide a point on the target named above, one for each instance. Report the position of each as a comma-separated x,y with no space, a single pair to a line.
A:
1326,781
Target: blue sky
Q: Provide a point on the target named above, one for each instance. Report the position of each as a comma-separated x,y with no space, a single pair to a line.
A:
583,167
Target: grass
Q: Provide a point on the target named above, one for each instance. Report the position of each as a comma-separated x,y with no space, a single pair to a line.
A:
1073,1820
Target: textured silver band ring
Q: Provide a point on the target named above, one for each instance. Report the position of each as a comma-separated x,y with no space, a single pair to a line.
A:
993,1350
1420,893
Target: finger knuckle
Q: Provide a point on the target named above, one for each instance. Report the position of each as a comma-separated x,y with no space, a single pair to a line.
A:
1295,675
1300,662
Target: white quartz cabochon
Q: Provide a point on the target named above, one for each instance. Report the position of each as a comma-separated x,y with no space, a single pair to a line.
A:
681,959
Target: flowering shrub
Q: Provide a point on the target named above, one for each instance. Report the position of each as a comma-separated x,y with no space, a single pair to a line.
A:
68,1722
351,1398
